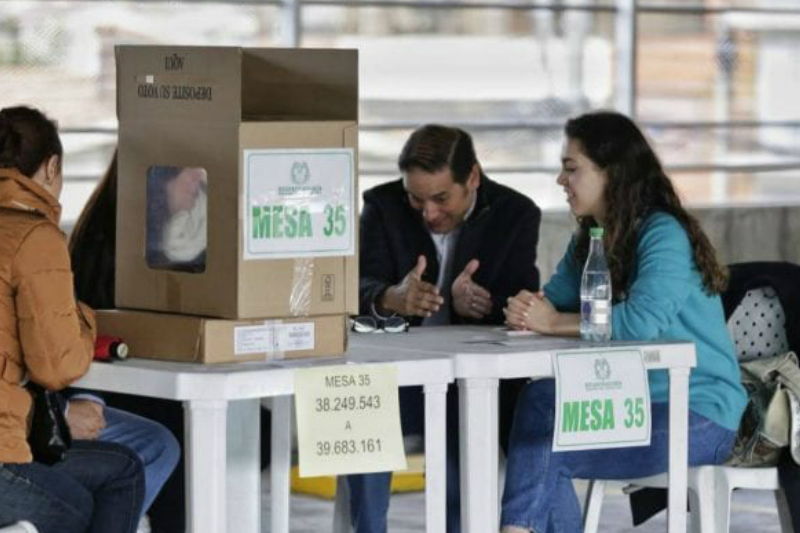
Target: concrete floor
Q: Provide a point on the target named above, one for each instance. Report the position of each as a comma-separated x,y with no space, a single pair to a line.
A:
752,512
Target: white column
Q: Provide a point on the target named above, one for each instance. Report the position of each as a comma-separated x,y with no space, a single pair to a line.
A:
205,456
291,23
544,28
625,47
577,24
435,457
281,463
723,90
478,455
244,466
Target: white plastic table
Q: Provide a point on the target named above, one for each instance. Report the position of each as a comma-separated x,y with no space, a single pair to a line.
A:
478,367
222,448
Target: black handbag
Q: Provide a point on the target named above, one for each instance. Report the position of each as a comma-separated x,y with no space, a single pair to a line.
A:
49,437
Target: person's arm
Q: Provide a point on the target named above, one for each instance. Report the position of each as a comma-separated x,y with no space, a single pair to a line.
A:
85,417
564,287
382,289
521,263
534,312
375,260
56,334
563,324
665,275
554,310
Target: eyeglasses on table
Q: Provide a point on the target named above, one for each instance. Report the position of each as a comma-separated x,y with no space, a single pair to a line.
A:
370,324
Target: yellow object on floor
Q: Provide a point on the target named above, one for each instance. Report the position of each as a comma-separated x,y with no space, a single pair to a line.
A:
410,480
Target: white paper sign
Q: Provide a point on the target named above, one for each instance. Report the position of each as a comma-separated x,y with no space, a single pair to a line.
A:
273,338
602,400
299,203
348,420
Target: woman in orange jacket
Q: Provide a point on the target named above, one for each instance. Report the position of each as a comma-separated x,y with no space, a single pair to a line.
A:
47,337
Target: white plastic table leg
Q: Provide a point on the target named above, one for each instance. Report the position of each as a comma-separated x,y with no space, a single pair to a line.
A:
281,462
678,453
244,466
478,454
205,456
595,493
435,457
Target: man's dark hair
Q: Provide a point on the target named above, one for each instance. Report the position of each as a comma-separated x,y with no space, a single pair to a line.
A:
433,148
27,139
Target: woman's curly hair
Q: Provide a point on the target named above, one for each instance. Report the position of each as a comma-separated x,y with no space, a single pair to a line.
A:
636,187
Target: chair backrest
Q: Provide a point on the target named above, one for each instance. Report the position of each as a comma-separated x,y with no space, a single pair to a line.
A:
758,325
762,304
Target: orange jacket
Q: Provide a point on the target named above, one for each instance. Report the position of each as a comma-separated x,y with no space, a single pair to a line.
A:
43,333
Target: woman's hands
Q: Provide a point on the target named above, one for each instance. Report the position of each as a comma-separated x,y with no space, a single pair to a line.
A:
533,311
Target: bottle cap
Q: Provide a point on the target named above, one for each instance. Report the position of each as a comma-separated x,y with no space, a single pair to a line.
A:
121,350
596,233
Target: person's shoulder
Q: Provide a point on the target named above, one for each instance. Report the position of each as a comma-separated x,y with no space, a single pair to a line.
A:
663,228
662,223
37,244
44,235
391,191
507,198
18,225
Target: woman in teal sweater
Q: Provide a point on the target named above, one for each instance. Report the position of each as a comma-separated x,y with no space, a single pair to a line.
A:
666,283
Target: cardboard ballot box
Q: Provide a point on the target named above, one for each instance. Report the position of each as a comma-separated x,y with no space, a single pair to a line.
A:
237,193
185,338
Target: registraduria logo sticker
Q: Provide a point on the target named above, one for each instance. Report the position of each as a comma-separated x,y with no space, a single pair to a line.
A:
602,370
300,173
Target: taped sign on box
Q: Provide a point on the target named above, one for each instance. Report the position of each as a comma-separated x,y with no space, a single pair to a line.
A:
299,203
273,338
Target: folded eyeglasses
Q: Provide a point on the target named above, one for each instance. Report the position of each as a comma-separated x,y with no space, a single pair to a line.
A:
369,324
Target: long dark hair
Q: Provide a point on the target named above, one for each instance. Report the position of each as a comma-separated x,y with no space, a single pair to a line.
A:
636,187
27,139
92,244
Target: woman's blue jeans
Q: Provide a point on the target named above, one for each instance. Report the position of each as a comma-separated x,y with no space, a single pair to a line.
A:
155,445
539,494
97,488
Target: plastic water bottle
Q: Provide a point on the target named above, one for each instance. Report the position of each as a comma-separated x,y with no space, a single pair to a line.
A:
596,292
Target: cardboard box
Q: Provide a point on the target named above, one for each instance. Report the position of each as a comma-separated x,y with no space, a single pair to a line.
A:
265,143
196,339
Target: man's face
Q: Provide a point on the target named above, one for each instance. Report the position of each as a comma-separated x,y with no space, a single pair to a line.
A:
442,202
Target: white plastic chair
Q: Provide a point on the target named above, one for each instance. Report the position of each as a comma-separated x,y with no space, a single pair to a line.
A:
710,487
19,527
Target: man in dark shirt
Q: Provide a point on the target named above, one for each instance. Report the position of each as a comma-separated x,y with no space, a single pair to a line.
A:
442,245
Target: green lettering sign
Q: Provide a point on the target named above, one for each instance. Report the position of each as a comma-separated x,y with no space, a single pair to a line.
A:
277,221
335,220
585,415
304,229
608,414
261,222
291,221
597,415
634,412
569,417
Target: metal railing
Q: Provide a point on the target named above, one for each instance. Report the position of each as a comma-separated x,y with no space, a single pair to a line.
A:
626,19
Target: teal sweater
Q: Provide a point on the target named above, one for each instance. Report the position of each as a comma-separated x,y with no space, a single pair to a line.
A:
666,301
